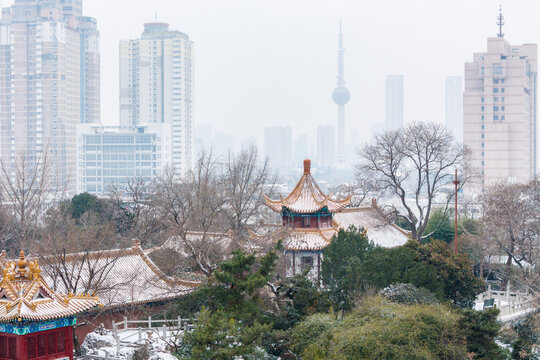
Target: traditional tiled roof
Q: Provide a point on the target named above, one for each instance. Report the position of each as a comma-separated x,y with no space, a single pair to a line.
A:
308,239
130,277
26,296
307,197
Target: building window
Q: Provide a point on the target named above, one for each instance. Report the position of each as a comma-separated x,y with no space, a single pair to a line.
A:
495,108
306,221
495,98
482,126
482,99
482,144
482,154
483,136
502,108
495,81
502,90
495,117
502,117
495,90
482,108
306,263
482,162
502,99
482,117
502,81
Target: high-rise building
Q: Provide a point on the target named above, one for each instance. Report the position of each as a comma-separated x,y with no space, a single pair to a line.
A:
278,145
112,156
156,86
454,106
90,70
499,110
394,102
341,96
41,84
301,148
326,146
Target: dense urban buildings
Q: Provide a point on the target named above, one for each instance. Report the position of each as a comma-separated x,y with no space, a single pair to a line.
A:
394,102
326,146
49,61
112,156
156,86
454,106
278,145
341,96
499,110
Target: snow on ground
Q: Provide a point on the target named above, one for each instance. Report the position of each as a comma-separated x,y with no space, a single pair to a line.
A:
102,343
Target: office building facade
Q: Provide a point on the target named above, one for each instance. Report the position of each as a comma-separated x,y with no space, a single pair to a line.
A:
156,86
112,156
326,146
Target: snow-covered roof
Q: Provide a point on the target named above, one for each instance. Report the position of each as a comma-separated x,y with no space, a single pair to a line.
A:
26,296
129,277
120,277
380,230
307,197
309,239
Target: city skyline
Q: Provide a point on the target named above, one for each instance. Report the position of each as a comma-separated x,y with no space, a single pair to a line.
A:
302,47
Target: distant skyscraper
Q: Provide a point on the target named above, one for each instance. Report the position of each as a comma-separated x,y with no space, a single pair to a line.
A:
278,145
301,148
249,143
341,96
394,102
44,82
326,146
454,106
90,70
499,112
156,86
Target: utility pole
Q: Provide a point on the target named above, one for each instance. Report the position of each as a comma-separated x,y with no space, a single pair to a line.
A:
456,183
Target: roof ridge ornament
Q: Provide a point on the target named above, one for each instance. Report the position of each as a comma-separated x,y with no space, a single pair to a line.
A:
307,166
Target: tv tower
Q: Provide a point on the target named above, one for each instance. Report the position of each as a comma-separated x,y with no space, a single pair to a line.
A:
341,96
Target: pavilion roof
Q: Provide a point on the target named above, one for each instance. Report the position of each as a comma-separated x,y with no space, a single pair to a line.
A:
307,197
26,296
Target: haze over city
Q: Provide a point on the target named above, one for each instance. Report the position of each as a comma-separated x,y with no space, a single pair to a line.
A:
263,63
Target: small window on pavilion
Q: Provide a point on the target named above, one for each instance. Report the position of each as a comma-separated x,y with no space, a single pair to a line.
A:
306,263
3,295
306,221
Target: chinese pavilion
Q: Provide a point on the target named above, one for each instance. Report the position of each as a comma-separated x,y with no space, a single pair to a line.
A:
35,321
308,212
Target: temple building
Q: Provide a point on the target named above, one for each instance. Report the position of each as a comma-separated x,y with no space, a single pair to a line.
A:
312,218
35,321
308,212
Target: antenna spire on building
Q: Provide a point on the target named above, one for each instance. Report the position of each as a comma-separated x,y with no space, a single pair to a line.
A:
500,22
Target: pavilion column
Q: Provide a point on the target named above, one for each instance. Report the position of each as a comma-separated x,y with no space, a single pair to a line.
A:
22,353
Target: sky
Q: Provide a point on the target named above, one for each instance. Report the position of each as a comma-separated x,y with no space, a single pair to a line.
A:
274,62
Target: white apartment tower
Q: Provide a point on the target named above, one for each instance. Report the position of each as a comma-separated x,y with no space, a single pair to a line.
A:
41,85
394,102
499,110
156,86
454,106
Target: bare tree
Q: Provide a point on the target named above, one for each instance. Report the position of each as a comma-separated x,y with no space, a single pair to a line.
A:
511,222
27,191
133,210
359,190
416,164
244,181
194,204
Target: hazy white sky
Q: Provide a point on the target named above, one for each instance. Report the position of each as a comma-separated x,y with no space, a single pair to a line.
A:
270,62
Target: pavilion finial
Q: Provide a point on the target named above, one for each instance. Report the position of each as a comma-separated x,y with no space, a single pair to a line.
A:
307,166
500,22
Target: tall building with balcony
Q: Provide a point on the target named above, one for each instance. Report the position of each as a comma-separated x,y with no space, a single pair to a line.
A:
42,85
499,110
156,86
